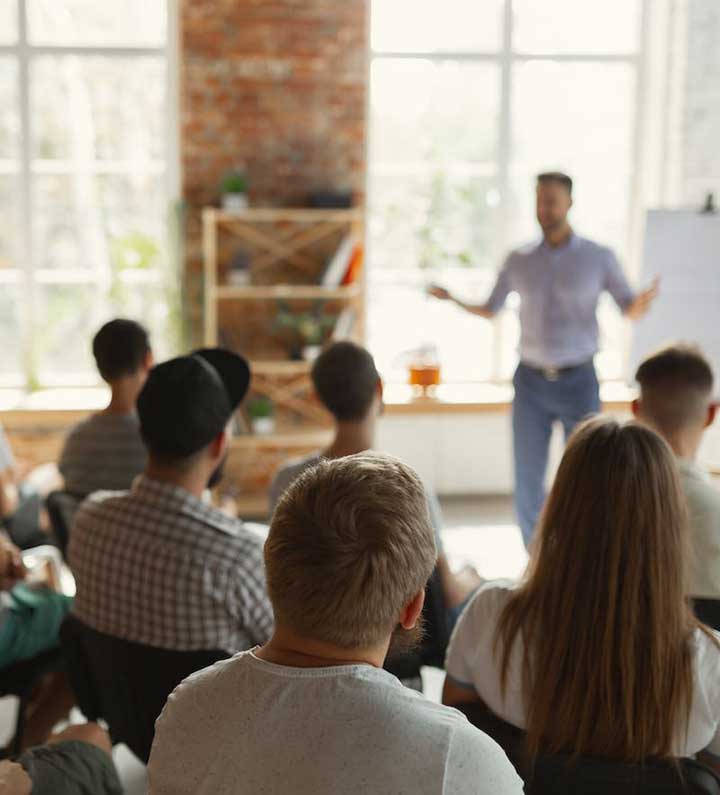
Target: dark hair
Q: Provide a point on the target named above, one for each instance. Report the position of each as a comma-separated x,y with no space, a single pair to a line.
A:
676,383
345,379
120,348
558,178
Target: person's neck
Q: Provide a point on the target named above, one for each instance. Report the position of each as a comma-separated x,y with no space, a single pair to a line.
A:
194,480
290,649
351,438
685,444
123,397
559,236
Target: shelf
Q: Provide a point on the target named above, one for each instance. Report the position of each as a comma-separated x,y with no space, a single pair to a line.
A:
273,214
287,291
280,367
300,439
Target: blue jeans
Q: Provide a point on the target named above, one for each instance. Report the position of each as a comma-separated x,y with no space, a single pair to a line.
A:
538,403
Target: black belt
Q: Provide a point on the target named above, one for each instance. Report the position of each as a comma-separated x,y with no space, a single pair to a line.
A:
553,373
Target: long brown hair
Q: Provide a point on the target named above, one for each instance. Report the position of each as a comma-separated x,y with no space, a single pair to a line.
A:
603,613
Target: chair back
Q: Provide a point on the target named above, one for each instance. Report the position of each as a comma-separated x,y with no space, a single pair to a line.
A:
61,507
560,774
125,683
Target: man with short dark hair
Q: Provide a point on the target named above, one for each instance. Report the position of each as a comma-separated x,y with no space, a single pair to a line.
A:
312,712
676,400
559,280
157,565
105,451
348,384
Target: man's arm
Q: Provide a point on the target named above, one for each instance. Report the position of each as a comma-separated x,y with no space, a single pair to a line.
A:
475,309
633,305
491,307
643,301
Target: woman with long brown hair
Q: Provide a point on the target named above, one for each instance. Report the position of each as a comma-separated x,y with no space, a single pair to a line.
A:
597,651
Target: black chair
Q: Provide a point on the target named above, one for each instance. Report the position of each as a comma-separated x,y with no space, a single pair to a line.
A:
708,611
20,679
23,527
61,507
124,683
559,774
407,667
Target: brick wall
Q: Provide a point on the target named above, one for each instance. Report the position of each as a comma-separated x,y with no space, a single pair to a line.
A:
278,86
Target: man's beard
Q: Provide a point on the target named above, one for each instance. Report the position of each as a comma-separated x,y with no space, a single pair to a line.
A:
217,475
404,641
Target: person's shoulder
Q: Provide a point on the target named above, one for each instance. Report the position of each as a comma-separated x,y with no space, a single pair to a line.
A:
593,248
491,597
476,763
295,466
706,651
698,486
200,688
102,503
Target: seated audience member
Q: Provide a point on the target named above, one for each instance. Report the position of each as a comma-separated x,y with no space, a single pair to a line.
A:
676,400
105,451
78,761
157,565
22,490
349,553
597,652
30,619
349,386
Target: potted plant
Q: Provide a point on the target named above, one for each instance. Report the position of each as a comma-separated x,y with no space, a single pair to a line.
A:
239,271
261,413
307,330
233,189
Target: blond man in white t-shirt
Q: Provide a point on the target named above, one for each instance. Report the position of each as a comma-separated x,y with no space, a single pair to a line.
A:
312,712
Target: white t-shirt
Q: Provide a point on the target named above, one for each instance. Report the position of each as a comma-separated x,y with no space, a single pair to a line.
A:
471,663
246,725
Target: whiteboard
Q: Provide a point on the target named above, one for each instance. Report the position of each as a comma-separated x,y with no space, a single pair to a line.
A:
682,247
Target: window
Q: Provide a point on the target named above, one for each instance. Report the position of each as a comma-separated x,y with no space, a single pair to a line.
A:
470,99
85,181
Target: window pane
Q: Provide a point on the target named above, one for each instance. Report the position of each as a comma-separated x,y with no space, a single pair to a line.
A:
562,26
10,229
80,220
9,108
463,342
430,112
432,25
431,222
8,21
10,333
130,22
66,317
583,126
116,106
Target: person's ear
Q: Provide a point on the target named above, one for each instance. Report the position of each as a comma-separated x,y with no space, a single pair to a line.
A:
711,414
219,444
149,360
635,406
411,612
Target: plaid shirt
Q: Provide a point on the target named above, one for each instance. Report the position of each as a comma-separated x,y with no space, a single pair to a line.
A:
156,565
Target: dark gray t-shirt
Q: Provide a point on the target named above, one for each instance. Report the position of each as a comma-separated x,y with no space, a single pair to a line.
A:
103,453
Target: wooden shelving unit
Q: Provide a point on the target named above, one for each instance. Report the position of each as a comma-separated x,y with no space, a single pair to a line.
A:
287,251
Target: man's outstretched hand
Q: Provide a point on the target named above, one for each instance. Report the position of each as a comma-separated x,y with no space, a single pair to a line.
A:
643,301
439,292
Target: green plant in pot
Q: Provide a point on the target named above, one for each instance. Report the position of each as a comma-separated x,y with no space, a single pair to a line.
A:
233,190
261,413
304,332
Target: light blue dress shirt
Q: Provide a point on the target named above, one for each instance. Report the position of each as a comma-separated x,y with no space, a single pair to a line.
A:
559,290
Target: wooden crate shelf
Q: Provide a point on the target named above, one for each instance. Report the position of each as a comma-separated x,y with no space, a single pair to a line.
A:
287,251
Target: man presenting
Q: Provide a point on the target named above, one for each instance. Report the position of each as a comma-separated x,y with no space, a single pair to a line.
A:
559,281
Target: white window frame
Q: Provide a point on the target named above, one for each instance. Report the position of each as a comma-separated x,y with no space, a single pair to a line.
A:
26,274
506,58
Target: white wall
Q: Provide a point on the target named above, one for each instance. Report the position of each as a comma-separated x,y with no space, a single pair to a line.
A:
471,454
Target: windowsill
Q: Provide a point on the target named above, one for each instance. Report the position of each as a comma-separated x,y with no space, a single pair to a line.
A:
399,399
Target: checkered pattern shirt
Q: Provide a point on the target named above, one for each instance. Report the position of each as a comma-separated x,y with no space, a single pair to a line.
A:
156,565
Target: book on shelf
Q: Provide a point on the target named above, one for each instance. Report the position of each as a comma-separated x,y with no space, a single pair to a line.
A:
352,274
344,325
339,262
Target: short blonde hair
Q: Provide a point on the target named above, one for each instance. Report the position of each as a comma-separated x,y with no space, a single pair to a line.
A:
350,545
